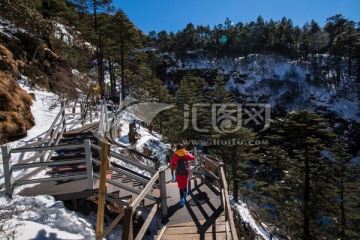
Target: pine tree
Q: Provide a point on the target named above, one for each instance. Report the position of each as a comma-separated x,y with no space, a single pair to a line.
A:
190,117
346,192
298,196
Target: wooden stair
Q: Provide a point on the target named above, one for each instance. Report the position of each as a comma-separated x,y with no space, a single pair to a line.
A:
189,230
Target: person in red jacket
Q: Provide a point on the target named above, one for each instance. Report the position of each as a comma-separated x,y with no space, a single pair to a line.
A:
181,158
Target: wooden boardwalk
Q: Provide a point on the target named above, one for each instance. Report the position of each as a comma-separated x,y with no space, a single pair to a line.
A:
202,217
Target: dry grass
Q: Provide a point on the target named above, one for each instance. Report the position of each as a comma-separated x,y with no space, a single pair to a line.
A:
7,62
15,114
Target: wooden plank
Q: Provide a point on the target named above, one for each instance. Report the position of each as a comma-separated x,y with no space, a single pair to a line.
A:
127,230
127,188
161,233
145,190
147,222
228,234
211,174
194,229
113,224
67,169
194,236
220,221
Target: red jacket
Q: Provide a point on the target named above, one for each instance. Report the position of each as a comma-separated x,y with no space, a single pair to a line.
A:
181,180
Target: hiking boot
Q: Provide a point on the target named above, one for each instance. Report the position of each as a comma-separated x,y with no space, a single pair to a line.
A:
173,179
182,202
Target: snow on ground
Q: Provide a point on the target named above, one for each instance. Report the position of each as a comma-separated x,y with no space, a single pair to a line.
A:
257,69
151,141
41,217
43,119
9,29
244,213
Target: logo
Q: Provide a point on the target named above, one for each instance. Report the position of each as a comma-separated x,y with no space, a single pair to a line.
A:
223,118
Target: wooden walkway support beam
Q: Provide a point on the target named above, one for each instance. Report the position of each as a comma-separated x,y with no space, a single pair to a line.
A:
127,231
105,148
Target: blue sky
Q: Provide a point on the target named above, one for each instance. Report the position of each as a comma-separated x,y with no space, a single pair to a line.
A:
174,15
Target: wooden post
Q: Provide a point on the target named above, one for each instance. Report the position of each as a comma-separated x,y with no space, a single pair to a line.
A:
89,167
196,156
120,101
106,117
91,114
42,157
102,188
202,166
5,149
164,207
220,184
157,163
63,115
127,230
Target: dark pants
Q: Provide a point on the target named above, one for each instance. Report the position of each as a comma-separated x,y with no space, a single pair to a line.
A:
182,192
172,172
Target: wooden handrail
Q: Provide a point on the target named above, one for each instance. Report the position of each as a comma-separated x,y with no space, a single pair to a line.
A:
113,224
208,160
227,207
145,190
125,159
54,123
147,222
125,187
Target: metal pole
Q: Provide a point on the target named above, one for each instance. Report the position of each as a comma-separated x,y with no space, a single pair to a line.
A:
63,115
202,166
89,168
164,207
91,114
42,158
196,154
5,149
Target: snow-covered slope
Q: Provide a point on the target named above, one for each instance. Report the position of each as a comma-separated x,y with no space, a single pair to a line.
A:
42,217
279,81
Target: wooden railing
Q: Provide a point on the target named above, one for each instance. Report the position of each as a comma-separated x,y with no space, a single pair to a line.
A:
131,206
43,150
209,167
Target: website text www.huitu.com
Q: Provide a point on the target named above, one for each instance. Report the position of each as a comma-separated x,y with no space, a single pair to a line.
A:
229,142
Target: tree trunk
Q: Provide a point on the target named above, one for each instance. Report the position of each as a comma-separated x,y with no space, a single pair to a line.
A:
349,64
101,66
306,227
338,70
236,190
99,53
342,204
112,76
122,65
